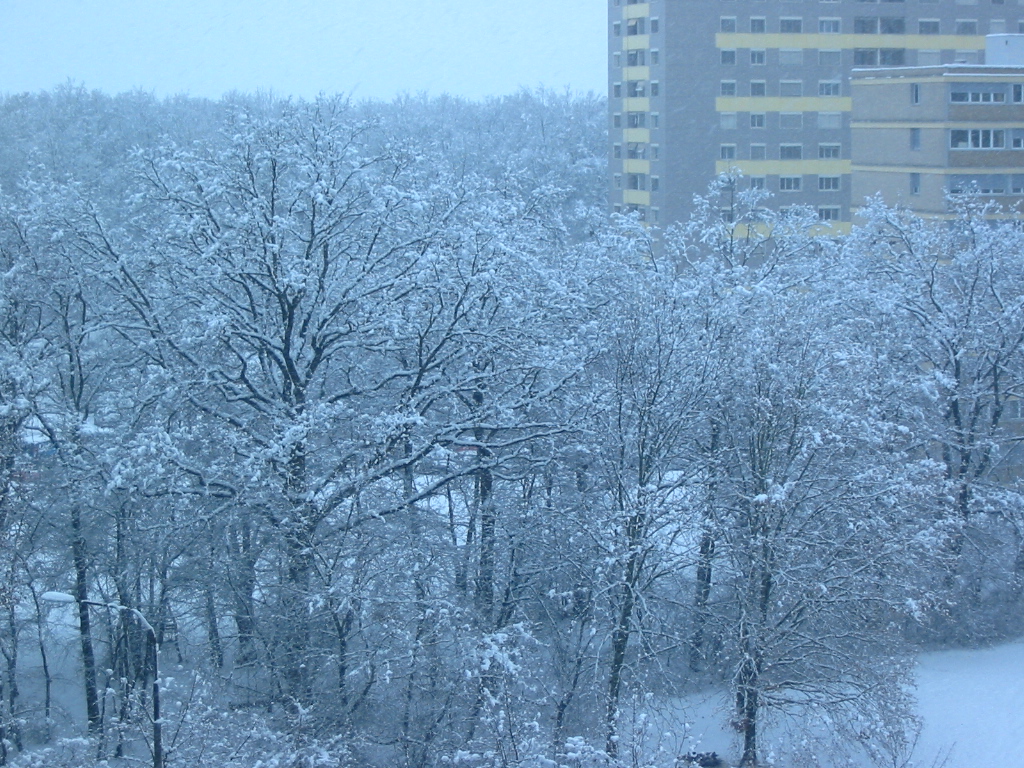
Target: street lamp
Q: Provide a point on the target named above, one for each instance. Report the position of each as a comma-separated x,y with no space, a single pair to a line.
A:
158,742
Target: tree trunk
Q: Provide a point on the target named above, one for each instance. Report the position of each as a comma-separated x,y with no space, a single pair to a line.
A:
242,574
705,561
702,595
13,692
620,640
488,532
80,558
213,628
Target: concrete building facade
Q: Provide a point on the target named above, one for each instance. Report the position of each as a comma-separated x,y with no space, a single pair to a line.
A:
918,134
700,87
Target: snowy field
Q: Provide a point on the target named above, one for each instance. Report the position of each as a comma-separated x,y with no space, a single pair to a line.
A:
971,703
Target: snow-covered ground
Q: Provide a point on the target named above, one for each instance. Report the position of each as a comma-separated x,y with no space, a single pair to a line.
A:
972,703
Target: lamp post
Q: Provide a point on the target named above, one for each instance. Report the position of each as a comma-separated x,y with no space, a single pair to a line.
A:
158,743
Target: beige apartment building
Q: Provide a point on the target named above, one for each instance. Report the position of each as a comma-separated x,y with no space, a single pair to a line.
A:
762,87
920,133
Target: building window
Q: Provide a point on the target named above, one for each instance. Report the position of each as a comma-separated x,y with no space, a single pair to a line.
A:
655,26
966,27
655,151
791,25
830,120
829,58
758,25
757,182
915,183
636,89
727,152
828,183
617,28
618,180
636,181
617,91
977,138
728,56
636,58
977,96
636,26
892,25
865,25
829,26
757,56
791,152
865,57
636,119
758,151
655,119
757,119
892,57
655,88
790,57
791,88
617,59
617,151
997,26
727,88
636,151
727,120
758,88
828,213
828,87
915,138
727,24
790,183
655,183
828,151
791,120
655,57
928,27
617,120
915,93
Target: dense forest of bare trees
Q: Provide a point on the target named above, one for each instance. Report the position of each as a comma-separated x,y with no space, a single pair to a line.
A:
365,433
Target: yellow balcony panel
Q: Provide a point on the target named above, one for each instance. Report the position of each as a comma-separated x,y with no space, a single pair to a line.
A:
945,79
641,135
938,170
636,166
636,105
825,229
784,167
637,42
783,104
831,42
935,124
636,73
638,11
636,197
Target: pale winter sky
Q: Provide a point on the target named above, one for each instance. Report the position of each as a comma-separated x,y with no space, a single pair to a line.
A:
367,48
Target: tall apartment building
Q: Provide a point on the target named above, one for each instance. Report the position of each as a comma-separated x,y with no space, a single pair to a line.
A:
700,87
920,133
